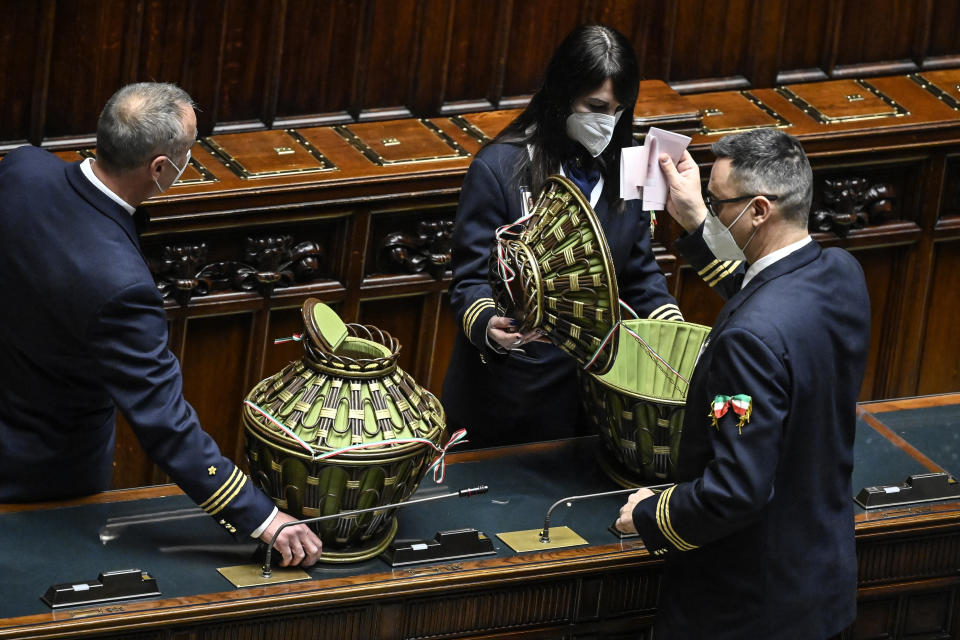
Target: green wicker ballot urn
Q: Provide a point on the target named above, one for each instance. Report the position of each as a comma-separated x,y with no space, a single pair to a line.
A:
342,428
637,407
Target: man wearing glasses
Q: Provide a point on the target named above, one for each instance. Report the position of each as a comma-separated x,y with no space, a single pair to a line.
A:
758,532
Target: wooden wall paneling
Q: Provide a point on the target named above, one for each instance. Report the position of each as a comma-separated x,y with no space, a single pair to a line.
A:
809,36
944,24
87,63
388,68
319,64
183,43
892,255
249,50
427,339
710,46
940,350
403,319
927,190
536,29
875,37
25,70
649,24
886,285
355,260
473,57
443,345
928,615
430,78
764,56
273,67
214,375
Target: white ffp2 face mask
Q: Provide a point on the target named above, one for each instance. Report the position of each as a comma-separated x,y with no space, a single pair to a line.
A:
179,172
593,130
719,239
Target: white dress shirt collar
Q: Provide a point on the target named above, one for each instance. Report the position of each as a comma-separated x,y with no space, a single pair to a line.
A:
86,167
773,257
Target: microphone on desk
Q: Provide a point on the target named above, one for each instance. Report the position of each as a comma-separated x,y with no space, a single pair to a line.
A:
545,532
267,570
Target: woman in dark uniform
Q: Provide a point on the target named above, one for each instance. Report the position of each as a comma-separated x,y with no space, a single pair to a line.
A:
503,386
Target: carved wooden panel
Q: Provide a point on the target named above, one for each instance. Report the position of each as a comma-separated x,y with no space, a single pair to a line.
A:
537,604
338,624
855,199
900,560
629,592
417,241
256,259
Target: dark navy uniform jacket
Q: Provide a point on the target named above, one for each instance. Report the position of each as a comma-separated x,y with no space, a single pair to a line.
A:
759,532
532,395
82,332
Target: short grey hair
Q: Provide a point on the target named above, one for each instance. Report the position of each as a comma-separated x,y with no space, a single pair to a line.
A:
771,162
140,122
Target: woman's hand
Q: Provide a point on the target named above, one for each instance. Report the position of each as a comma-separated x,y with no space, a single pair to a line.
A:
503,331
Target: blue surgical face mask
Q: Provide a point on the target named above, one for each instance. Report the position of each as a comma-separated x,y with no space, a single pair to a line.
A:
593,130
179,171
719,239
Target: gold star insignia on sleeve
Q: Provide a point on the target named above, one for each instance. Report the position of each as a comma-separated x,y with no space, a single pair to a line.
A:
212,470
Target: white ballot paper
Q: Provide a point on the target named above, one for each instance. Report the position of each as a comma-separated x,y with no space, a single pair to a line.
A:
640,172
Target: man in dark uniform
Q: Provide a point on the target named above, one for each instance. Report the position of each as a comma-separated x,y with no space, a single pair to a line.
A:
83,331
758,532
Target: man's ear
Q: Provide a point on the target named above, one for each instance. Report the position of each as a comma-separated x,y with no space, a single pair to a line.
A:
156,167
761,210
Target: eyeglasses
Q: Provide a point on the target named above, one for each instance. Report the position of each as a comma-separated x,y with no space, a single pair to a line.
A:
713,204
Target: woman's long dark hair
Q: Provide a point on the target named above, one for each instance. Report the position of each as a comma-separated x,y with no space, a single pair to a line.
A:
584,60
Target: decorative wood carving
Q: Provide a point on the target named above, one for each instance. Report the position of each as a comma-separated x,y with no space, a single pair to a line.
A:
268,262
428,249
852,202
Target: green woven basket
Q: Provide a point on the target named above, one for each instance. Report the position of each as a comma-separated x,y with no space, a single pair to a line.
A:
638,406
346,392
554,272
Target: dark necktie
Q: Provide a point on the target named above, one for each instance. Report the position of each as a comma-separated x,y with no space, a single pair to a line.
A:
585,179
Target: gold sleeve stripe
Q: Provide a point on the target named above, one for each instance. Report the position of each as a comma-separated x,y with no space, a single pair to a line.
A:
723,274
474,311
665,311
227,499
471,310
231,480
663,522
720,266
707,268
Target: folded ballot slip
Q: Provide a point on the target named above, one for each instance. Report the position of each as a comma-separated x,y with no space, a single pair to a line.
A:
640,174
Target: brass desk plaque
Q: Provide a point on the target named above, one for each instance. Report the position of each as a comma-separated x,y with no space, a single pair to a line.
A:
529,540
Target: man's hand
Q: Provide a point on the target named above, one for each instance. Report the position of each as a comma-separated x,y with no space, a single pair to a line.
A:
624,523
504,332
685,201
298,544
